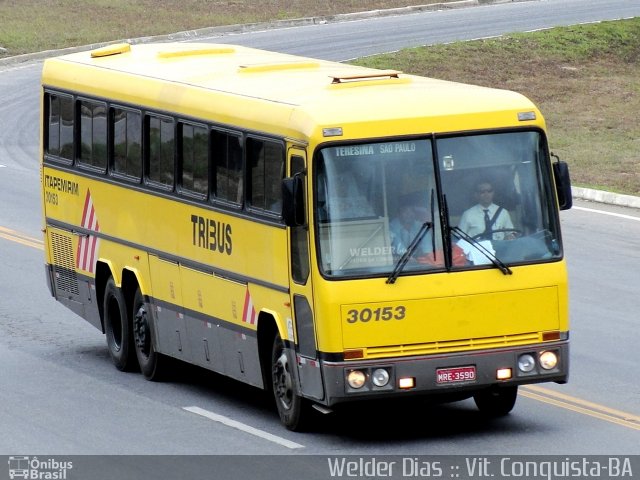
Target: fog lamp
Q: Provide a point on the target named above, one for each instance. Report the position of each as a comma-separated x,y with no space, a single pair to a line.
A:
503,374
548,360
356,379
407,382
380,377
526,363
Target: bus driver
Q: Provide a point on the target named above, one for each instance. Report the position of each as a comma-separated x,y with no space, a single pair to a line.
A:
486,220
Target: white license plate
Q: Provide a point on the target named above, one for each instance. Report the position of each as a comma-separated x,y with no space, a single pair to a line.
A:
456,374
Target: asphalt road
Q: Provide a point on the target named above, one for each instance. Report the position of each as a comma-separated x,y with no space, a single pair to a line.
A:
367,36
61,395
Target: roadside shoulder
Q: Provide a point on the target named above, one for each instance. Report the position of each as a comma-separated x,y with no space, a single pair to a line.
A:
609,198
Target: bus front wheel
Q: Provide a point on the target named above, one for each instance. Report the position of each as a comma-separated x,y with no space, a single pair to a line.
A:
294,410
117,327
496,402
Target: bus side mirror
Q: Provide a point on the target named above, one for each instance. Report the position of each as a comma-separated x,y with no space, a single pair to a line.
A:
563,184
293,201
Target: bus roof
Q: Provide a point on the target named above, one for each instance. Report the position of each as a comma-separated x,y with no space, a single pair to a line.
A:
283,94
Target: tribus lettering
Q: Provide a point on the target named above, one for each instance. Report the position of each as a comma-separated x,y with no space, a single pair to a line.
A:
211,234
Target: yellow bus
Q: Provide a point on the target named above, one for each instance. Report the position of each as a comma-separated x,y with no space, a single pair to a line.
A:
305,226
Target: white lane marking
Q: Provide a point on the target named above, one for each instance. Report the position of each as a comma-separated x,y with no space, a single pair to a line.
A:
611,214
243,427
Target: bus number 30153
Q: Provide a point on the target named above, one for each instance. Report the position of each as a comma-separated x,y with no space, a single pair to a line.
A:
381,313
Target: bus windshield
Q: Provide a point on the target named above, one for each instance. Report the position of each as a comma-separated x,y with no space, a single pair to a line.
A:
382,203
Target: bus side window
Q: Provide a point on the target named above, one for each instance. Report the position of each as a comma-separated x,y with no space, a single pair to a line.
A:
266,161
228,175
160,156
193,159
93,134
127,142
60,123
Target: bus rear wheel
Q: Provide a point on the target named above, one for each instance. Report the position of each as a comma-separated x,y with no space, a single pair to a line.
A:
118,328
496,402
294,411
151,362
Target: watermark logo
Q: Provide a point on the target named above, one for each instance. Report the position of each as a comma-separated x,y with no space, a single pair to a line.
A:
33,468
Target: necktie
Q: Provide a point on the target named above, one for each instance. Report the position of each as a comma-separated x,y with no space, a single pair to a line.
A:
487,224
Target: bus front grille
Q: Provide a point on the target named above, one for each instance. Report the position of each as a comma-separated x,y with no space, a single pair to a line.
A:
451,346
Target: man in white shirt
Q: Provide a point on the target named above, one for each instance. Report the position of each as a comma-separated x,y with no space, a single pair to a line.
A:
486,220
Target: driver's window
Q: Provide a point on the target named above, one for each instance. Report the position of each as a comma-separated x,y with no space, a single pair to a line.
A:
299,235
497,205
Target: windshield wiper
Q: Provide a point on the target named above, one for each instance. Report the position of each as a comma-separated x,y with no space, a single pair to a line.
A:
461,234
426,226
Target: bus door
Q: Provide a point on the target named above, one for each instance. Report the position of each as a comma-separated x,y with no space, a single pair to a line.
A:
309,375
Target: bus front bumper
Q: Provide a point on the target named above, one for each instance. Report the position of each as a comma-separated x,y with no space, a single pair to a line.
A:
445,375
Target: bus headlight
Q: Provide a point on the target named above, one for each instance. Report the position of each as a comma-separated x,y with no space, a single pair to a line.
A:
548,360
526,363
356,379
380,377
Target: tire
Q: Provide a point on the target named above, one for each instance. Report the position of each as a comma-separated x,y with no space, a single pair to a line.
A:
152,364
496,402
294,411
118,328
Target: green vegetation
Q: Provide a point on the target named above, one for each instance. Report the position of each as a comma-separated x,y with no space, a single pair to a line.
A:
585,79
